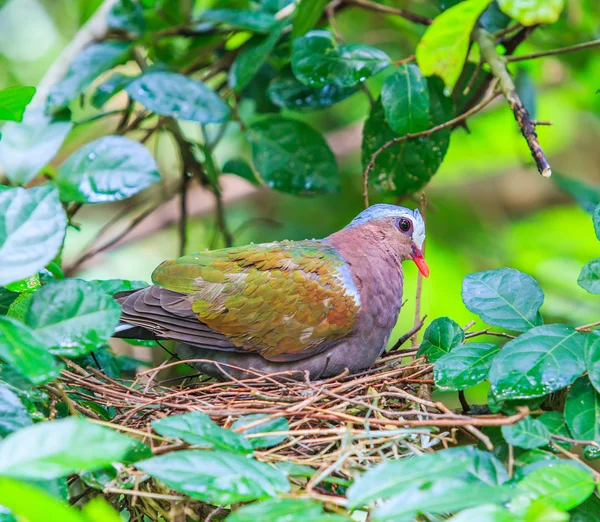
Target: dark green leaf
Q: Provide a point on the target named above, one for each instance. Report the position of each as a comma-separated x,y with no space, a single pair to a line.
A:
391,477
264,441
240,168
595,218
556,424
308,13
541,361
464,366
6,299
109,87
27,146
588,196
59,448
32,228
582,411
127,15
444,46
275,5
592,358
13,101
112,286
13,415
588,511
493,19
485,513
441,336
176,95
252,57
562,485
589,278
526,91
110,168
196,428
317,61
504,297
289,93
533,12
255,21
85,67
284,510
405,100
217,477
485,467
441,496
292,157
73,316
528,433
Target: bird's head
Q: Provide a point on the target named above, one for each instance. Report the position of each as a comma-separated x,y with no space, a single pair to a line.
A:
399,225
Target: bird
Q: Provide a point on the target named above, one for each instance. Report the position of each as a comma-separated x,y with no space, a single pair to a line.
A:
311,308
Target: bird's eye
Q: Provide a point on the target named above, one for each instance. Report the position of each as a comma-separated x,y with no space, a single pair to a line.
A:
404,225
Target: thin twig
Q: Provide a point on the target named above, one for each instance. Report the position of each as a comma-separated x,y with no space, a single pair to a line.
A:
554,52
402,339
419,277
380,8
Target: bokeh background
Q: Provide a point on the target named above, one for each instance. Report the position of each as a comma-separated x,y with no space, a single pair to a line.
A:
487,205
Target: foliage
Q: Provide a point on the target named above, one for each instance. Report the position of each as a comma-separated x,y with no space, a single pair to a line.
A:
259,70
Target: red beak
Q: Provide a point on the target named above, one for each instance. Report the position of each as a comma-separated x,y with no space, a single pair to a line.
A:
419,259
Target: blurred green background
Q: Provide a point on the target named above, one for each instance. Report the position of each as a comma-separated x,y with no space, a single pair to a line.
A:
487,205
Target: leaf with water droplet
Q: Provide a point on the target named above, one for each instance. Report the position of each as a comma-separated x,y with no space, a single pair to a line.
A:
527,433
582,411
465,366
441,336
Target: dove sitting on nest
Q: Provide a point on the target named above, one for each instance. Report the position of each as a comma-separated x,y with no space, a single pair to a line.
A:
318,306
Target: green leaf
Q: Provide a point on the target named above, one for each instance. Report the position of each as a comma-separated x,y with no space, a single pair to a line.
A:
288,93
587,196
99,510
592,358
582,411
440,496
34,505
562,485
255,21
176,95
586,512
540,511
110,168
19,307
317,61
483,465
493,19
7,298
284,510
127,15
32,228
464,366
405,167
485,513
541,361
527,434
265,441
308,13
441,336
252,57
391,477
216,477
13,415
196,428
112,286
55,449
280,151
532,12
556,425
109,87
27,146
73,316
444,46
13,101
504,297
240,168
589,278
405,100
595,218
85,67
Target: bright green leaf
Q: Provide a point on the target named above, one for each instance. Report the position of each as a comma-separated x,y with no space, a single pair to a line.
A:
592,358
527,433
533,12
284,510
280,151
176,95
99,510
32,228
444,46
589,278
541,361
465,366
485,513
196,428
308,13
264,441
13,101
216,477
582,411
504,297
55,449
440,337
13,415
110,168
73,316
317,61
255,21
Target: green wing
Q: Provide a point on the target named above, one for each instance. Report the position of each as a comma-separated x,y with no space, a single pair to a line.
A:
278,299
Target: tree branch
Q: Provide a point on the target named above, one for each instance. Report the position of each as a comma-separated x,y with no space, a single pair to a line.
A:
497,63
553,52
380,8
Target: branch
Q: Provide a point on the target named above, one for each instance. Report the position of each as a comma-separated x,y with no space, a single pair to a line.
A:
497,63
553,52
407,15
